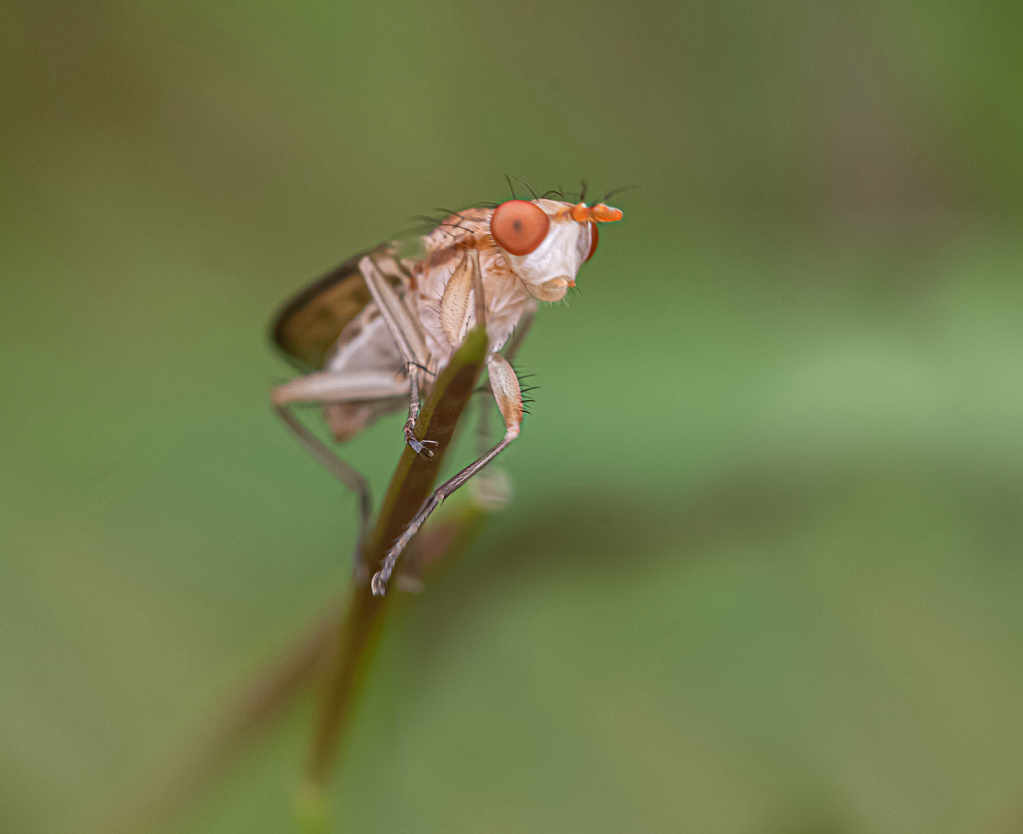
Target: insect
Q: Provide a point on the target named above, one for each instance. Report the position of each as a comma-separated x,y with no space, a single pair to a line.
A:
371,336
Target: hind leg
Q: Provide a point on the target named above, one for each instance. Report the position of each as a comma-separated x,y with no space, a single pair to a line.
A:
332,387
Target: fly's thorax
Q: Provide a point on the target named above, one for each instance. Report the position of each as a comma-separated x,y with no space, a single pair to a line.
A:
505,295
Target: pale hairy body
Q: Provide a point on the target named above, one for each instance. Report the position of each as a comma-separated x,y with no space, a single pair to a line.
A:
384,353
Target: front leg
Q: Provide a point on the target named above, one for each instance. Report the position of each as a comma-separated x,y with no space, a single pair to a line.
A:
505,386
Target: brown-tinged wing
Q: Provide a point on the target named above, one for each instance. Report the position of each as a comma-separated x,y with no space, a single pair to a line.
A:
308,325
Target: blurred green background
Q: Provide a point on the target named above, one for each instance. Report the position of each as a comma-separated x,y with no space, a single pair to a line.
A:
763,570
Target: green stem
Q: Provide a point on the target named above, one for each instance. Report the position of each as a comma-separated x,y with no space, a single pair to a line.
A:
410,486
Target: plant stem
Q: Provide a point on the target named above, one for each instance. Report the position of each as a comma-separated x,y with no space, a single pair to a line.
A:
410,486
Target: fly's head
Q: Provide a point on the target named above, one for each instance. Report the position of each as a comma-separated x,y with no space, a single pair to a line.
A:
546,241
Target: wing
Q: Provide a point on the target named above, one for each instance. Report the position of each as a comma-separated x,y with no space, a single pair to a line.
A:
308,325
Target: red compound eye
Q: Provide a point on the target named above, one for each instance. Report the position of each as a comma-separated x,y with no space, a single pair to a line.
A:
594,237
519,226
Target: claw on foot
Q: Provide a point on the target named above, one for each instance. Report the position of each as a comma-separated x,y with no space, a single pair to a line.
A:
378,584
420,447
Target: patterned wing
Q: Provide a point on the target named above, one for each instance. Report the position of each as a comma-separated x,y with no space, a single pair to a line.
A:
308,325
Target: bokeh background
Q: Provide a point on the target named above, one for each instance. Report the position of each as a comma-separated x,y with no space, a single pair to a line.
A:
763,570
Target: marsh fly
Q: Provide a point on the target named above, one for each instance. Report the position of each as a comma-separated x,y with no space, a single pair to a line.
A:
371,335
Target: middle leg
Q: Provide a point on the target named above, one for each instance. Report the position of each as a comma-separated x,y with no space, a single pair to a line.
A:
402,326
420,447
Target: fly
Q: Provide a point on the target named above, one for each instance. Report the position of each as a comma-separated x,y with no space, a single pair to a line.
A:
371,335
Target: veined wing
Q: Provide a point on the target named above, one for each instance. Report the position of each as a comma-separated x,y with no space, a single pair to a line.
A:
307,327
309,324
